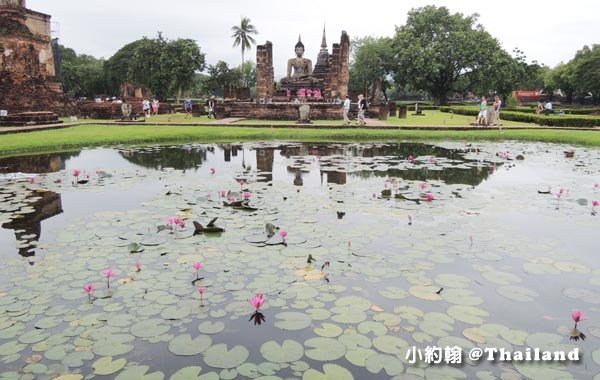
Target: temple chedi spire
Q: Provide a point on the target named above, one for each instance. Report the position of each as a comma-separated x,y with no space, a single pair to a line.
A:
323,57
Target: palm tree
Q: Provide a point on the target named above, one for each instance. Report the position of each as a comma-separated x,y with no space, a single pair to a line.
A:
242,35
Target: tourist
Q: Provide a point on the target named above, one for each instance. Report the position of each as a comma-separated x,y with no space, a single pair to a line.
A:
317,94
309,94
362,107
497,105
288,94
187,106
302,94
146,107
548,108
482,116
211,107
347,110
540,108
155,106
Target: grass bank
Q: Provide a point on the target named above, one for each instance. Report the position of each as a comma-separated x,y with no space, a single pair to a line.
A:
96,135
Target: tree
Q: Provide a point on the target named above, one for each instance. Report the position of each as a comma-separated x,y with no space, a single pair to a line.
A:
248,74
586,72
435,49
372,58
242,35
82,75
182,58
221,76
166,67
116,68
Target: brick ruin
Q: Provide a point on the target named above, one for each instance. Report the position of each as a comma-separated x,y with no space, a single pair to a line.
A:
29,79
331,72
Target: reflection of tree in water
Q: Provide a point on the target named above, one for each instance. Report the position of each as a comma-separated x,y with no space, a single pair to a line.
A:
472,176
40,163
179,158
28,228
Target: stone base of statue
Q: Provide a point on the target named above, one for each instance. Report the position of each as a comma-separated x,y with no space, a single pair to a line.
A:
304,114
294,84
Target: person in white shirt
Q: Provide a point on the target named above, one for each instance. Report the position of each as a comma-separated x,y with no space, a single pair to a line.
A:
347,110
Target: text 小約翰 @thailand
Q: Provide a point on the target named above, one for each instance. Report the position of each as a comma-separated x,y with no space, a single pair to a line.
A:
455,355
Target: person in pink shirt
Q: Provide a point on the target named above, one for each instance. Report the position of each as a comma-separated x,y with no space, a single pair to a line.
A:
288,93
309,94
317,94
302,94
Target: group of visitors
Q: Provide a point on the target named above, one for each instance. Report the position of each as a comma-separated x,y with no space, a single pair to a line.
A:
305,94
150,108
483,117
544,107
362,108
210,104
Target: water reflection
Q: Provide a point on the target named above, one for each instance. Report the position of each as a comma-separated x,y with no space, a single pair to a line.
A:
28,227
43,163
180,157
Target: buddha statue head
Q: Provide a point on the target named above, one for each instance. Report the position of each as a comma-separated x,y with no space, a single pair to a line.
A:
299,48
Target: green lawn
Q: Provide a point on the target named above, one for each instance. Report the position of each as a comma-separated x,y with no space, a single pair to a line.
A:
436,118
95,135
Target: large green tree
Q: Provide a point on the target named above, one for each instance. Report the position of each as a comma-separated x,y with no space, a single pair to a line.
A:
116,68
435,49
586,72
166,67
82,75
372,58
242,35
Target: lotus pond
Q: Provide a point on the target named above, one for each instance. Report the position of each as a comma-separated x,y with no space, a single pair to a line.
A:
360,252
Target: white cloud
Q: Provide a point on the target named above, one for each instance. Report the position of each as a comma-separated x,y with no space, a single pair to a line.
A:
545,32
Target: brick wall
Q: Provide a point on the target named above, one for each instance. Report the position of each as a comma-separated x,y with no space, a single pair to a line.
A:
279,111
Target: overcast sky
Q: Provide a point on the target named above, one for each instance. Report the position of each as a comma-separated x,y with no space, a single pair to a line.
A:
546,32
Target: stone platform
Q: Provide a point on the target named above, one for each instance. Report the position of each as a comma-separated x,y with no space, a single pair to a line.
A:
278,111
29,118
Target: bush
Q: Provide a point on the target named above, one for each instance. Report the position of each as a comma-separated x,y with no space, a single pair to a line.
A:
511,102
576,121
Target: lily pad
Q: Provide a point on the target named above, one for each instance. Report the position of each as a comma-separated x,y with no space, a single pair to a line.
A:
219,356
324,349
290,320
106,366
289,351
184,345
330,372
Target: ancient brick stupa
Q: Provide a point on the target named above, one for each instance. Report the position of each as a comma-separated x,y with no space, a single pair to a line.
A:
28,72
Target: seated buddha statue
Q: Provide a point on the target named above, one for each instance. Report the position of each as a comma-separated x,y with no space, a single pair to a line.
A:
299,69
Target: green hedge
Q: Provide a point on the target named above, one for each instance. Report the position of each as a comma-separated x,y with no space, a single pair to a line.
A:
576,121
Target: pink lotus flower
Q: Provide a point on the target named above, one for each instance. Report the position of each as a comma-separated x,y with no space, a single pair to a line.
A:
595,203
257,301
247,195
242,182
222,193
88,288
232,198
283,233
138,265
429,197
578,316
108,274
175,221
76,173
197,266
201,291
423,186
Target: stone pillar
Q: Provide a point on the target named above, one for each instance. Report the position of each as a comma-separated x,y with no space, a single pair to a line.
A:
376,91
344,75
334,73
265,76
